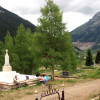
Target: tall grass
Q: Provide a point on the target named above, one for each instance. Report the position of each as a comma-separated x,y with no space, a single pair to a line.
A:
92,74
95,74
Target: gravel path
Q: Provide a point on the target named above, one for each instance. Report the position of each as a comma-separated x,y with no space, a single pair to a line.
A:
81,91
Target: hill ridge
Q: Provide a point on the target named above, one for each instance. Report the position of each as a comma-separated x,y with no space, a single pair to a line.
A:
10,22
89,32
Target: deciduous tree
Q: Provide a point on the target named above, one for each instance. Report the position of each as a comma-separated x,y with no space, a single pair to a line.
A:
21,49
56,43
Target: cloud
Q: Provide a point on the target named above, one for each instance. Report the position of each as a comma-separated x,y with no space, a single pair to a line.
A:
82,6
26,10
33,6
23,6
75,12
74,19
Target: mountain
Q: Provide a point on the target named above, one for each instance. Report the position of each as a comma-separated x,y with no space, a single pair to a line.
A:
10,21
88,34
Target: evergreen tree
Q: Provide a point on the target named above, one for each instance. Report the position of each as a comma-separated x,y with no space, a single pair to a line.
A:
54,47
21,50
35,50
8,44
89,60
1,55
97,60
32,51
8,41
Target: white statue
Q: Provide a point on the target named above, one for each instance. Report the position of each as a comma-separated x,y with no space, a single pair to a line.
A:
7,66
6,59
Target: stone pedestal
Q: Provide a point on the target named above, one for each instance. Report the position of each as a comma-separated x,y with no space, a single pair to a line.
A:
7,76
6,68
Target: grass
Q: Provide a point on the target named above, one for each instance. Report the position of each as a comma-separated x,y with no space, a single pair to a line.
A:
56,82
48,70
70,81
98,98
88,67
94,96
28,93
44,70
38,83
93,73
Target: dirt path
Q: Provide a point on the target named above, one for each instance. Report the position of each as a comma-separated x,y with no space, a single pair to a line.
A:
81,91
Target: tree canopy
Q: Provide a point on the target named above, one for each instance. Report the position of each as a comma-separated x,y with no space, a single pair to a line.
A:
97,60
56,42
49,46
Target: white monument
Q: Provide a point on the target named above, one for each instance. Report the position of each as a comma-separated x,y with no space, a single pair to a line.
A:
6,66
7,75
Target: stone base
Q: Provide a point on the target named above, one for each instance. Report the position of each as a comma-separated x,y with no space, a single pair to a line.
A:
6,68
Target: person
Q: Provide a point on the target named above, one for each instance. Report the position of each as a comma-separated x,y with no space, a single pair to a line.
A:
43,80
27,77
16,81
47,78
37,74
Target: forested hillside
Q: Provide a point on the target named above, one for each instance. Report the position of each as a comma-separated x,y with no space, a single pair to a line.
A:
88,33
10,21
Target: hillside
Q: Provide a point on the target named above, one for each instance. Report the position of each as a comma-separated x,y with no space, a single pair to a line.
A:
10,21
88,34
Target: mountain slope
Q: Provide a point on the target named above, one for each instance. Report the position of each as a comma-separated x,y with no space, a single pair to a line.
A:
10,21
88,33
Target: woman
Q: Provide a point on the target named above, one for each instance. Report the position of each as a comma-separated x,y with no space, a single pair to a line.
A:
43,80
16,81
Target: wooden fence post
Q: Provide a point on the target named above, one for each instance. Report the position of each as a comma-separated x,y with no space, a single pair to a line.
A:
62,92
36,95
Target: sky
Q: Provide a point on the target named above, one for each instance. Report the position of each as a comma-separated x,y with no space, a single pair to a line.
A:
75,12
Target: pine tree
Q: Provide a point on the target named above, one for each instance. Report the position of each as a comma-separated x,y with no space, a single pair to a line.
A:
89,60
8,44
1,54
97,60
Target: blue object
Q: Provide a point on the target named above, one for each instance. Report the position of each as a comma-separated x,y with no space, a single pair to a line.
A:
27,77
47,78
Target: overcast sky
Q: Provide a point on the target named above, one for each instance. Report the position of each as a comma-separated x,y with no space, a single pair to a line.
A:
75,12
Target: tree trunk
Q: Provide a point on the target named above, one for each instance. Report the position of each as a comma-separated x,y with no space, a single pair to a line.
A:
32,70
53,72
46,67
22,69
